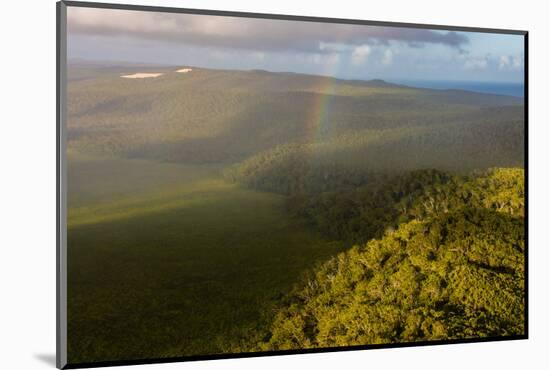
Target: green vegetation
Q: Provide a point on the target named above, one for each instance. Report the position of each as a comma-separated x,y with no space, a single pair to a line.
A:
363,213
211,116
195,266
228,211
457,271
363,157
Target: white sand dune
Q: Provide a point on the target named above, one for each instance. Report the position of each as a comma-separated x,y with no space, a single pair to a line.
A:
142,75
184,70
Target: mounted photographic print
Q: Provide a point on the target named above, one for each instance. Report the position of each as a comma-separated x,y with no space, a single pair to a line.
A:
236,184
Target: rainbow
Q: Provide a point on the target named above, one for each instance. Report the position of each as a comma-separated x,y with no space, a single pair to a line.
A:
317,121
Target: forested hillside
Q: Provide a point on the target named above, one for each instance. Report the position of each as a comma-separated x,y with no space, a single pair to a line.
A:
213,116
452,268
356,158
363,213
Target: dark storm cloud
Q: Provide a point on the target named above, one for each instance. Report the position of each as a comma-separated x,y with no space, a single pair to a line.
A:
246,33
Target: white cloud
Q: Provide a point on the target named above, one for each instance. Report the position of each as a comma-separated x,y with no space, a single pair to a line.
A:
387,58
322,59
360,54
476,63
258,55
517,62
510,62
504,62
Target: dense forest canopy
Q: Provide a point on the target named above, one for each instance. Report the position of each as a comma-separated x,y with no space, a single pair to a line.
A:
453,268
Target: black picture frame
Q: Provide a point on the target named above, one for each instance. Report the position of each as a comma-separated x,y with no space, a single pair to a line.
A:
61,185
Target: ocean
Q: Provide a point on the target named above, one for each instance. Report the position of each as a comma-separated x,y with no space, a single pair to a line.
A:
501,88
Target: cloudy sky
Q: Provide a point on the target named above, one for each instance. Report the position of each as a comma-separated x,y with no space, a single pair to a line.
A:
344,51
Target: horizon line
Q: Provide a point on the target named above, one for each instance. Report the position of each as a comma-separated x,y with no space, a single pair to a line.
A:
394,80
